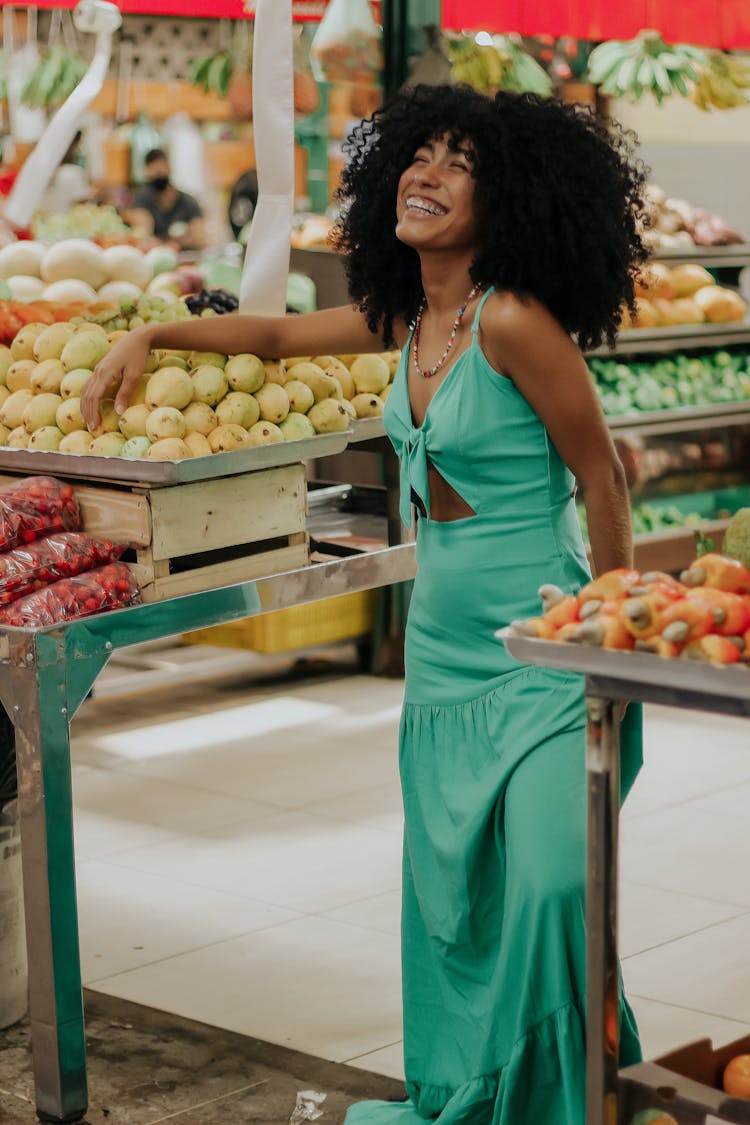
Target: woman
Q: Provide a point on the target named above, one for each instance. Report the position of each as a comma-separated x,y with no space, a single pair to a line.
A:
499,229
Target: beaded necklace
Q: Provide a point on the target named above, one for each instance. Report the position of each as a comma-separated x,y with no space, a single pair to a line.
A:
454,332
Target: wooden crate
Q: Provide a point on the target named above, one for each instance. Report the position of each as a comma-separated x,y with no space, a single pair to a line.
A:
193,537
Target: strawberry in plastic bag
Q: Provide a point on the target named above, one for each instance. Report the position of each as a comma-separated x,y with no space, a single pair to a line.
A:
108,587
63,555
33,507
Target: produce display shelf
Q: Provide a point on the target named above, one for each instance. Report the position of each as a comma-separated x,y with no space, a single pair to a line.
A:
136,471
634,341
674,549
612,1095
735,255
45,675
682,418
366,429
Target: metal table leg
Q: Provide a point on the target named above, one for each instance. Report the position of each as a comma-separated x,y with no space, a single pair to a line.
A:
37,695
602,991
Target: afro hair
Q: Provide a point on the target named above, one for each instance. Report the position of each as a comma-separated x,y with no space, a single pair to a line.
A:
559,198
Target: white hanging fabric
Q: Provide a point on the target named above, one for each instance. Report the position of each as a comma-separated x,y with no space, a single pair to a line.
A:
104,19
266,268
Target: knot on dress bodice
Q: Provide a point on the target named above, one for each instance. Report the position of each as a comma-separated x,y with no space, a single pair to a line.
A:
414,472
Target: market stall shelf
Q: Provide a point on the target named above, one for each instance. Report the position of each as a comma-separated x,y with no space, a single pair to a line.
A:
144,471
44,677
615,1097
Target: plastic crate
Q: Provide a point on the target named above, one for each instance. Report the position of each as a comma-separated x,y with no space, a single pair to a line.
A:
301,626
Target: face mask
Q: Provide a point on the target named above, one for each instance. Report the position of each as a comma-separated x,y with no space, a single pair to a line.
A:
159,183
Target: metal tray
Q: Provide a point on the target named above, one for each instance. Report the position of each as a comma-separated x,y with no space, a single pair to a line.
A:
122,470
365,429
641,668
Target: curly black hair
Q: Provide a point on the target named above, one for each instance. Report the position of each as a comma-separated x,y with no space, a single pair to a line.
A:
560,199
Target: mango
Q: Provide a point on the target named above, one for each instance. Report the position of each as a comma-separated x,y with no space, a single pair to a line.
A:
200,359
4,433
296,426
172,361
168,449
11,411
169,386
107,445
49,344
19,438
79,441
165,422
275,370
110,419
300,396
41,411
133,421
22,346
371,374
198,444
273,403
393,359
349,408
200,418
74,381
118,334
88,326
383,396
333,366
19,375
224,439
265,433
84,349
47,376
6,359
238,409
136,447
329,417
245,373
210,384
68,417
368,406
46,438
321,385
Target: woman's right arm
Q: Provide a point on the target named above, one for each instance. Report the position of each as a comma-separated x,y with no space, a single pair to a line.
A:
343,330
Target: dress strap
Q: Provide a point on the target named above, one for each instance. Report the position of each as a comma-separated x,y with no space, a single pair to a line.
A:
478,313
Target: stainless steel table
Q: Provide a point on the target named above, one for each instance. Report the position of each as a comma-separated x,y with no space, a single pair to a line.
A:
611,677
44,677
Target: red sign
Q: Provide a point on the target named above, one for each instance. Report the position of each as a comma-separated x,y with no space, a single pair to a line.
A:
709,23
303,11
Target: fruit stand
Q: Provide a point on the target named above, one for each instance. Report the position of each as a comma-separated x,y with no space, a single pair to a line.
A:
612,676
45,674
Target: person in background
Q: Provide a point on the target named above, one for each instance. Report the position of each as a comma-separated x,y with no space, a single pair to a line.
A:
165,211
70,183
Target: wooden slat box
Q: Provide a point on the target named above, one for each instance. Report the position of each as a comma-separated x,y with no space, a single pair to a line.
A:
206,534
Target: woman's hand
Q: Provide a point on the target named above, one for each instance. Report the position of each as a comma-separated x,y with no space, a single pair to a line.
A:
116,376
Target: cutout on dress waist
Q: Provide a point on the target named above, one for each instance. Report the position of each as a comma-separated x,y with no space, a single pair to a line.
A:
460,509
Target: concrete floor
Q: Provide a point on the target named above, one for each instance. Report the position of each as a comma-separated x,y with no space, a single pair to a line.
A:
147,1068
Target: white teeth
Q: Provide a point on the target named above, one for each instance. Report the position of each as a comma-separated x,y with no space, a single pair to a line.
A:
416,204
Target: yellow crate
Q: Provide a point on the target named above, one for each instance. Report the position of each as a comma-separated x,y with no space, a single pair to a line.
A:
300,626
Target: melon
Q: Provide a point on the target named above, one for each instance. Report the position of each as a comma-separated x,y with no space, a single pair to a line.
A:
69,290
21,258
126,263
74,258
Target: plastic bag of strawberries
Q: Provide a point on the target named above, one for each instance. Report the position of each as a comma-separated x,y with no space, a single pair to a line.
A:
108,587
33,507
63,555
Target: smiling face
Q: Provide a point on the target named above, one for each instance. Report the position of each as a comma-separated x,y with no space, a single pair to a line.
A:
435,205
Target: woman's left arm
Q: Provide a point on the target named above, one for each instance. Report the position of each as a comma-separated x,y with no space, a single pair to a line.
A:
524,341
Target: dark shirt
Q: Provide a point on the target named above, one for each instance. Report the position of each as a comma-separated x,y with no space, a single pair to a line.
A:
184,210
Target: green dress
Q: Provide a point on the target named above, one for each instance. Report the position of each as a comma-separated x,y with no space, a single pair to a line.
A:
493,774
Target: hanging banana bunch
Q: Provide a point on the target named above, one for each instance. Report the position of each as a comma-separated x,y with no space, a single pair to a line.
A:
722,83
500,65
54,79
214,73
646,64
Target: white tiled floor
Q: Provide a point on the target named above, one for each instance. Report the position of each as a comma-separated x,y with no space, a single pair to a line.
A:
239,863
